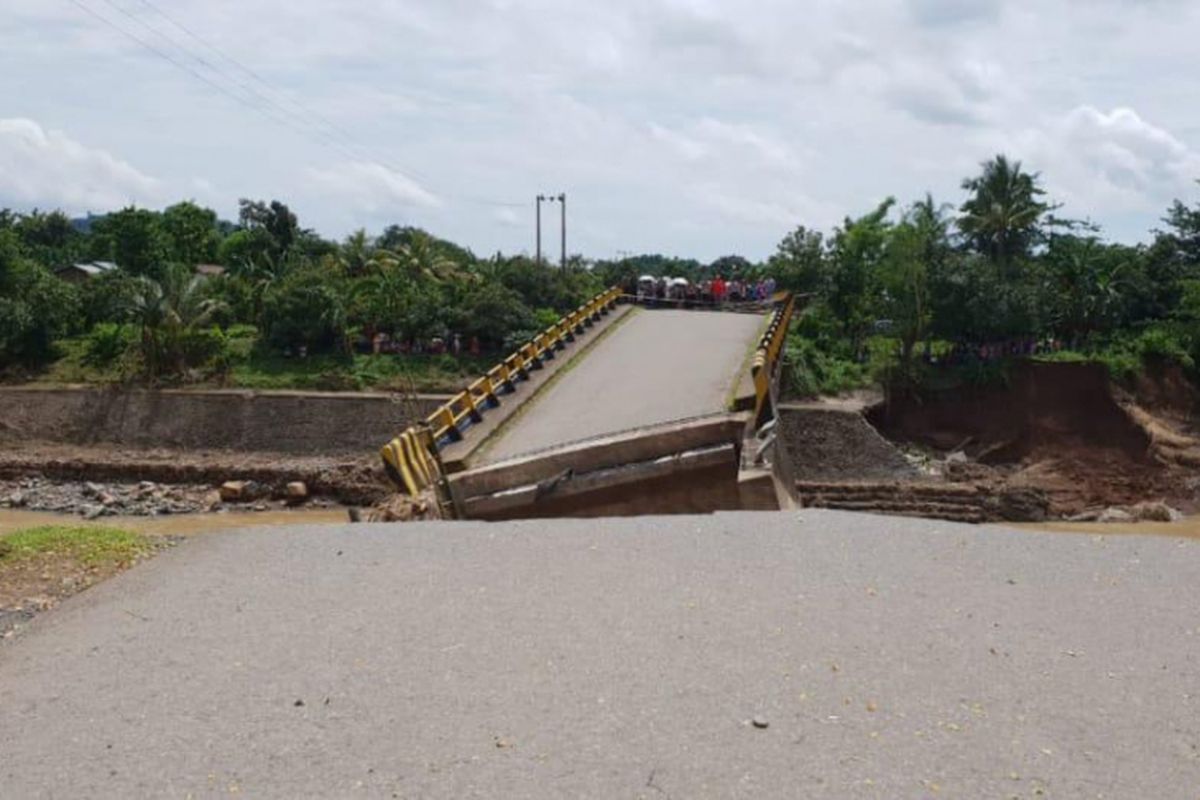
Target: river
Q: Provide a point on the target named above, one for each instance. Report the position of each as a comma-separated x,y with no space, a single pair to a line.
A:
177,524
192,524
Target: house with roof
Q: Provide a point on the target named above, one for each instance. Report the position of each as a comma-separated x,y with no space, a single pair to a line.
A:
84,271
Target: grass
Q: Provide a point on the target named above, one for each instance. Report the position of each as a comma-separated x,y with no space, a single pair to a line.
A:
90,546
421,373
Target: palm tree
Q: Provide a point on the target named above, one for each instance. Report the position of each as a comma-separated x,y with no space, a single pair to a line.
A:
167,311
357,253
423,261
261,272
1001,218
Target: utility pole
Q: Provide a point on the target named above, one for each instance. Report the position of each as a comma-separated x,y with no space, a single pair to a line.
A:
562,200
540,198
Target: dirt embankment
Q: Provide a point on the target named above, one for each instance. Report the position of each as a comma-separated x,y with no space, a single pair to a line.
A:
835,444
1063,429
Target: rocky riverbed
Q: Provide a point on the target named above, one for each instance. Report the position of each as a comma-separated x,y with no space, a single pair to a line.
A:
92,500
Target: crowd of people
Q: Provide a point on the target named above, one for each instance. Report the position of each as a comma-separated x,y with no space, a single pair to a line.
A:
968,353
455,345
716,291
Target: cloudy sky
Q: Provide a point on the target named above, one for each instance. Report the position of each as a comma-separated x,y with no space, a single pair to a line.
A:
688,127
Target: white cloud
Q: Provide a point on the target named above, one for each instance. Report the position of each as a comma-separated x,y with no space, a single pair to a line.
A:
719,140
1115,161
683,146
49,169
371,187
509,218
641,110
954,12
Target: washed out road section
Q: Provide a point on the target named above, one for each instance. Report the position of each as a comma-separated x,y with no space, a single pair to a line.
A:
887,657
658,366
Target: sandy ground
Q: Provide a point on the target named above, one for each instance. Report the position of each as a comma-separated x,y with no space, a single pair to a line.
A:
660,365
619,658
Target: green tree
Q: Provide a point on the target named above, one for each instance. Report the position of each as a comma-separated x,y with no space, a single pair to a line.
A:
277,228
192,233
800,263
856,253
1183,225
1001,219
495,315
307,307
36,308
49,238
915,248
134,238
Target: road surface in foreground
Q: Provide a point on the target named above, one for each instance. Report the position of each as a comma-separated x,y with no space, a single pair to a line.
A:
619,658
657,366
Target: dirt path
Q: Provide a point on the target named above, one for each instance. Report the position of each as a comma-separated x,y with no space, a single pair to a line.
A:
659,366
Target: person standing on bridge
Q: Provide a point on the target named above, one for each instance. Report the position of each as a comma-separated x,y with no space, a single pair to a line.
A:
718,290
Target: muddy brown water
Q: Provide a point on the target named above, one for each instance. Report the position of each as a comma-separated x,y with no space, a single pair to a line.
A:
178,524
193,524
1186,528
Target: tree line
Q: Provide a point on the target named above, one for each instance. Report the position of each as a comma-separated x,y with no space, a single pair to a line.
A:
904,287
895,289
290,289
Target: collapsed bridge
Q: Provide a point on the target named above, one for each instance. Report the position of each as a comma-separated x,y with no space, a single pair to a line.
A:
617,409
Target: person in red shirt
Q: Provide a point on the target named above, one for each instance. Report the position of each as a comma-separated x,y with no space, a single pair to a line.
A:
718,289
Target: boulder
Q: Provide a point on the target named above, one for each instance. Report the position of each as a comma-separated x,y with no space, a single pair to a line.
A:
297,492
235,491
243,491
212,500
1155,511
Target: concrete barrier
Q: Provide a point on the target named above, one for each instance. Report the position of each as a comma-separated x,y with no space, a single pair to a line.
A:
680,468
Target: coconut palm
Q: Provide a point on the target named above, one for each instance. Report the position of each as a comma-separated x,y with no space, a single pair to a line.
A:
422,260
168,310
1001,218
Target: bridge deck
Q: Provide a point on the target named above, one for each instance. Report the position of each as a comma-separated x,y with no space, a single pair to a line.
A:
658,366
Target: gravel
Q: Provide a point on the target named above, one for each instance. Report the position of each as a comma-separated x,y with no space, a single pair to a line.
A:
91,500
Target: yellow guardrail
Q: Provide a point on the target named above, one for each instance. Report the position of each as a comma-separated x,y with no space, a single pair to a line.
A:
411,459
770,347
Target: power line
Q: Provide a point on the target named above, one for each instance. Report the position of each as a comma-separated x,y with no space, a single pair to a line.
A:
326,138
264,83
187,68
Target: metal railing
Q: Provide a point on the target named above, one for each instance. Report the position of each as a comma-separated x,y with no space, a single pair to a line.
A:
767,356
411,459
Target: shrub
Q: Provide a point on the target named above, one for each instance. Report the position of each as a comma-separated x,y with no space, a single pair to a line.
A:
106,343
1159,346
814,371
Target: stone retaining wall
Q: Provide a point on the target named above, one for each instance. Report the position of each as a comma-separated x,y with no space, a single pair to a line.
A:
298,423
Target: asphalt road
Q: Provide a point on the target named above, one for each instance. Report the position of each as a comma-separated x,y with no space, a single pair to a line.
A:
658,366
619,658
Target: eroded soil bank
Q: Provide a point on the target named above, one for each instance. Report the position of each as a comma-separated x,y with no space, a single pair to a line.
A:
1062,430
